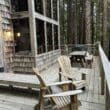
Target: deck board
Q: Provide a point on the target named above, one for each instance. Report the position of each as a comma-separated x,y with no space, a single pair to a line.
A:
92,99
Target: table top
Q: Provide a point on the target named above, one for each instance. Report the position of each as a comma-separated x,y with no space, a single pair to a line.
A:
78,53
23,80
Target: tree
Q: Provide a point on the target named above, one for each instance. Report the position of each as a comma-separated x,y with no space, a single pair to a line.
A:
63,21
105,28
88,20
72,22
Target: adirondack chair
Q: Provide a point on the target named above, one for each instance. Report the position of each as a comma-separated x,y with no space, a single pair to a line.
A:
59,99
67,71
89,59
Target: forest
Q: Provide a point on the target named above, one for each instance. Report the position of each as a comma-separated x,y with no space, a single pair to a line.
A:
85,21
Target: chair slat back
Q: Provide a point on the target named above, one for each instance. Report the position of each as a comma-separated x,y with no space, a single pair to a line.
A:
65,64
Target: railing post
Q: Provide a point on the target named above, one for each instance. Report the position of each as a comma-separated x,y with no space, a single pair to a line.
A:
102,80
107,99
101,74
96,45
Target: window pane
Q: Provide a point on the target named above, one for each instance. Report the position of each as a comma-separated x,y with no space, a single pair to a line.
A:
55,10
56,36
39,6
40,36
48,8
19,5
21,34
49,37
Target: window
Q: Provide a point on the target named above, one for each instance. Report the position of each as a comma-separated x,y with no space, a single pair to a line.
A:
55,10
40,36
19,5
21,34
49,37
39,6
56,37
48,8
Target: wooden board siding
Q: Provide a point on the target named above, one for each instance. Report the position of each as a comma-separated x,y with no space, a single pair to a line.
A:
25,63
47,59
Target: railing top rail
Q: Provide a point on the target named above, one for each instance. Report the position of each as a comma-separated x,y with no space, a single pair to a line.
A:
106,66
78,45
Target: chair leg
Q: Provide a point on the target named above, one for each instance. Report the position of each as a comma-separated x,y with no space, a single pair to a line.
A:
74,103
60,77
41,100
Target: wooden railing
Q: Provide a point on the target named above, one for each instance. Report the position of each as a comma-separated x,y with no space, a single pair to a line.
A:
104,64
66,49
105,76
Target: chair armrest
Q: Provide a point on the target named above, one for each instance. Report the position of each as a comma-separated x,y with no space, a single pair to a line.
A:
80,70
59,83
66,75
67,93
79,81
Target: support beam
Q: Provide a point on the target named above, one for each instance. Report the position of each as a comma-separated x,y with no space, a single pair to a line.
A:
45,28
88,20
44,18
52,25
58,10
32,27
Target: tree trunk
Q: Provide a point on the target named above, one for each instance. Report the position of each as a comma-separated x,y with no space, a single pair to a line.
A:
105,37
71,22
62,22
88,20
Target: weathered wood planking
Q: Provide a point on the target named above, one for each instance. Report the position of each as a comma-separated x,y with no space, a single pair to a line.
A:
29,81
1,51
106,66
4,107
24,80
105,76
13,100
92,99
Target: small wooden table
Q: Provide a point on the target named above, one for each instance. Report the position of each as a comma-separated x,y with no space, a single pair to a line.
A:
25,81
78,56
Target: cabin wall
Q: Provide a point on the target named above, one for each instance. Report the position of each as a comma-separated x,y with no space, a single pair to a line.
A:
43,41
6,35
43,61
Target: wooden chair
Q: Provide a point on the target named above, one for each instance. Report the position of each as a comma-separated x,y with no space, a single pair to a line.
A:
70,73
89,59
59,99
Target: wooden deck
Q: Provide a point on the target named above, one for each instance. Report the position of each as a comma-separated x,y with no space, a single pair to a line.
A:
92,99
